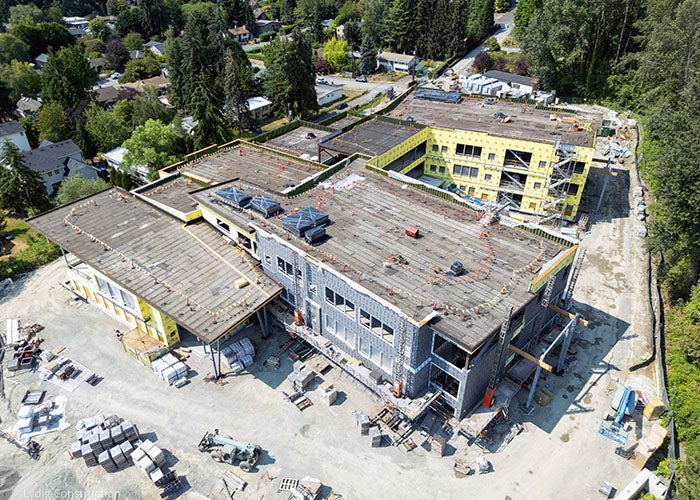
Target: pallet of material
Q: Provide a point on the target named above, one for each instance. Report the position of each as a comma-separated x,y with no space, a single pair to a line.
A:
302,402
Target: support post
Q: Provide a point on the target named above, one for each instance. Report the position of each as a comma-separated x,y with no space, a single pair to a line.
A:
267,322
213,363
533,387
218,352
204,346
566,342
262,323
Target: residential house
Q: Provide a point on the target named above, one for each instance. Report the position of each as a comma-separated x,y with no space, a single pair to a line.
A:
402,63
98,63
241,34
56,161
108,96
188,124
265,26
258,13
115,157
326,94
260,108
27,106
160,83
520,86
76,22
40,62
157,48
14,132
76,32
136,54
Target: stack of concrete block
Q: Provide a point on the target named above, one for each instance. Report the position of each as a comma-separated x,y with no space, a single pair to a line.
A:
329,395
437,446
301,376
375,436
148,457
363,423
169,369
238,355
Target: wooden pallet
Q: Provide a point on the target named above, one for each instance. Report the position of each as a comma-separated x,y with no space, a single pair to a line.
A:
302,403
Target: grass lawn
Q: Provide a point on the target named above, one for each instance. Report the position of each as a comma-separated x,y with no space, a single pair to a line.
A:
22,233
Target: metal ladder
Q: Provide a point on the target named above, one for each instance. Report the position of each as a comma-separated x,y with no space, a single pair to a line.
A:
568,298
547,295
491,389
296,278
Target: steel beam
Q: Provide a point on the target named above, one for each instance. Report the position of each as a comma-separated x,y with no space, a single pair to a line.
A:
533,387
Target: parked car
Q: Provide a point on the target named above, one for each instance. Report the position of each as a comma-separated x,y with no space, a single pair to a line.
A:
114,76
320,79
342,105
361,78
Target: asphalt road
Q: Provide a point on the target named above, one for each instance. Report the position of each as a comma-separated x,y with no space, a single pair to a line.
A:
464,65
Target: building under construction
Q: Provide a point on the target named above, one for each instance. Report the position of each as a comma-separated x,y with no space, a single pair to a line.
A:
421,299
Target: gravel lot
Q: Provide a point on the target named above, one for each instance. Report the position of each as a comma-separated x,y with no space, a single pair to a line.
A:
560,456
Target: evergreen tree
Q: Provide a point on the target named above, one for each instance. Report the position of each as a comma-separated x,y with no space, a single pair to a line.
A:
238,13
401,26
368,51
155,16
67,77
290,77
20,187
373,20
7,106
83,140
237,84
206,107
53,125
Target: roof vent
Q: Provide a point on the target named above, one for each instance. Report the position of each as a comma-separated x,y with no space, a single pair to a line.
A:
457,268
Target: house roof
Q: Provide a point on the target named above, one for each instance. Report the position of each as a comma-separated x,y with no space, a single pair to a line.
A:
323,90
394,57
116,155
28,104
240,30
42,58
257,103
51,156
97,62
158,82
511,77
159,46
186,271
78,32
136,54
11,127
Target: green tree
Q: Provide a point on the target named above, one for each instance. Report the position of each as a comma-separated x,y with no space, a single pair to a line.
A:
153,145
237,82
290,77
20,187
335,52
76,187
99,29
82,139
492,44
67,77
26,13
368,52
31,127
401,26
52,121
376,12
155,16
131,21
121,179
133,41
117,54
12,49
7,105
501,6
40,36
353,34
138,69
524,12
105,129
137,111
207,105
238,13
21,79
688,488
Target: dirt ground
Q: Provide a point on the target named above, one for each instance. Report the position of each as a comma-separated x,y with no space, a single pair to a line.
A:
560,456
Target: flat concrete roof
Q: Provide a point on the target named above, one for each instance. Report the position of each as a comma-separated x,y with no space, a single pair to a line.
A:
257,166
343,122
373,138
156,257
296,142
369,216
526,122
171,192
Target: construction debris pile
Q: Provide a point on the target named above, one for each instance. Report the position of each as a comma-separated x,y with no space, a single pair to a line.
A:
114,444
170,370
26,348
239,355
62,368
